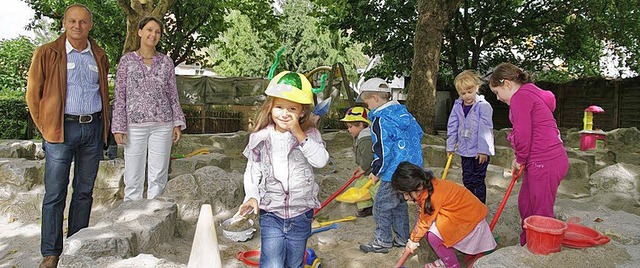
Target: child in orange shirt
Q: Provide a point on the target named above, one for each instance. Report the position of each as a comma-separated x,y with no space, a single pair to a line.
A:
451,217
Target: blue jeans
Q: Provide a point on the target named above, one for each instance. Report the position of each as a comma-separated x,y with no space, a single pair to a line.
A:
82,144
284,241
391,213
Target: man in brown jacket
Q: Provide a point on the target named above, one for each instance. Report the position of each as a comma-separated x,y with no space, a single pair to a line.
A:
67,95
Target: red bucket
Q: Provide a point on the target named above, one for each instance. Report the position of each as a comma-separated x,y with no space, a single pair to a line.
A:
544,234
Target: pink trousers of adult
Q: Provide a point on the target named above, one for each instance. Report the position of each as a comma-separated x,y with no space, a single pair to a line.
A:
540,181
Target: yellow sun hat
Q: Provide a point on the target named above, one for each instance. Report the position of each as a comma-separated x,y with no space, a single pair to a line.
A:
356,114
290,86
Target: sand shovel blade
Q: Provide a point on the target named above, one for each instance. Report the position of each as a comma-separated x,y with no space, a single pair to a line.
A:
355,195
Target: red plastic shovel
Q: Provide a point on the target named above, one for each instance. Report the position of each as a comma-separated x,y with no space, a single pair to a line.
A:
514,177
333,196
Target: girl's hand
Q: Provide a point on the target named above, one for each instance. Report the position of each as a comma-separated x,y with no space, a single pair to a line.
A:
411,246
293,126
515,165
176,134
120,138
482,158
251,204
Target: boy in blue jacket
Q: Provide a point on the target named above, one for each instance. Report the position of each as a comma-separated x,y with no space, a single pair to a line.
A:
396,138
471,128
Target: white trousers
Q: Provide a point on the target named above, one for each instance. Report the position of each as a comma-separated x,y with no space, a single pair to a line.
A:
154,141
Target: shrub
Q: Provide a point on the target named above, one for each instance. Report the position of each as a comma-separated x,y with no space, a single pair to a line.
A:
14,115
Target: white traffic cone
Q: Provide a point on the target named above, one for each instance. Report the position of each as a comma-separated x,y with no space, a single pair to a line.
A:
204,251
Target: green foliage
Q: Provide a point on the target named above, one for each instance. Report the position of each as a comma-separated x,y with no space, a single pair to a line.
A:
240,51
531,34
244,50
190,25
15,59
13,114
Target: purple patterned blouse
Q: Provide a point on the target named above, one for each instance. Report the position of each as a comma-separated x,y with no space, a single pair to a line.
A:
145,95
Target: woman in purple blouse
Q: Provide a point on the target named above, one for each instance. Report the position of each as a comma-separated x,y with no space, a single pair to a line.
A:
147,115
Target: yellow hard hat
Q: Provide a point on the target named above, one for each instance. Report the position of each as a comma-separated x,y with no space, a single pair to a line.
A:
356,114
290,86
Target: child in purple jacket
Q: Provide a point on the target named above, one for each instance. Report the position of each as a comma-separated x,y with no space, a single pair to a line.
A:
471,128
535,139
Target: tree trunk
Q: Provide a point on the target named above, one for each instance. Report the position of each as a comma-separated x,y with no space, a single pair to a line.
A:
135,11
433,17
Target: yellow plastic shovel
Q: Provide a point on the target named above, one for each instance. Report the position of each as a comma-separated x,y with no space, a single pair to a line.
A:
355,195
446,167
317,224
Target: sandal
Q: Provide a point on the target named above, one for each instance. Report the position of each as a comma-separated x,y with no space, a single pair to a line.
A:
436,264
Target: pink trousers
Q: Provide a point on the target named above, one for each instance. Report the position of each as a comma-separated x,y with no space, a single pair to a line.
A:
540,181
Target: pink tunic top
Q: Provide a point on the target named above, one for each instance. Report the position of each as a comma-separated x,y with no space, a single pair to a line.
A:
535,134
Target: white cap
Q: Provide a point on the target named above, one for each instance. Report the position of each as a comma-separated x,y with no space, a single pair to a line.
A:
375,85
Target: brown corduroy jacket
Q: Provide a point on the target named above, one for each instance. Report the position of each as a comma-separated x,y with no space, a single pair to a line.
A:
47,88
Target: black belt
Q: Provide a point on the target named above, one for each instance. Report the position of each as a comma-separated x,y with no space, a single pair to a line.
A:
82,119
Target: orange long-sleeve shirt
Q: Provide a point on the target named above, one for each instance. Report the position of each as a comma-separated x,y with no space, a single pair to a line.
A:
456,209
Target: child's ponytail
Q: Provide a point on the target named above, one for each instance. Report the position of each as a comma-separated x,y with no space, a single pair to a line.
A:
409,177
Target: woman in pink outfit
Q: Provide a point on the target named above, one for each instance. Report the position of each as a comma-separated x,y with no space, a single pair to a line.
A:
535,139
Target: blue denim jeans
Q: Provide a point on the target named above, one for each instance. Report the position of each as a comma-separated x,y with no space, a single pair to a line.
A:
82,144
284,241
391,213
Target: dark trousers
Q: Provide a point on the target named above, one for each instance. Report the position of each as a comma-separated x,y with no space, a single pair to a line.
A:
83,145
473,175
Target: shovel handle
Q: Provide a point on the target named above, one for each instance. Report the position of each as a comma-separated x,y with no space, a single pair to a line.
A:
355,175
515,175
367,185
348,218
402,259
446,167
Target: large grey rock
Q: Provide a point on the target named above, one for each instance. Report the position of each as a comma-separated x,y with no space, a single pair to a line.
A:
625,136
620,179
18,149
133,227
576,183
25,205
191,164
435,156
208,185
152,221
337,139
226,141
572,140
21,172
504,157
104,241
500,137
433,140
109,184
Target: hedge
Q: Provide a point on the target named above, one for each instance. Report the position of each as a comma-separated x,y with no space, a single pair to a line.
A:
14,115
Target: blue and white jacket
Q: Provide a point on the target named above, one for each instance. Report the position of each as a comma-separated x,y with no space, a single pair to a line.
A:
396,137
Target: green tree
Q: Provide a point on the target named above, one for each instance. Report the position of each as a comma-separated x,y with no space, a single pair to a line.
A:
310,45
190,25
531,34
15,59
246,50
240,51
